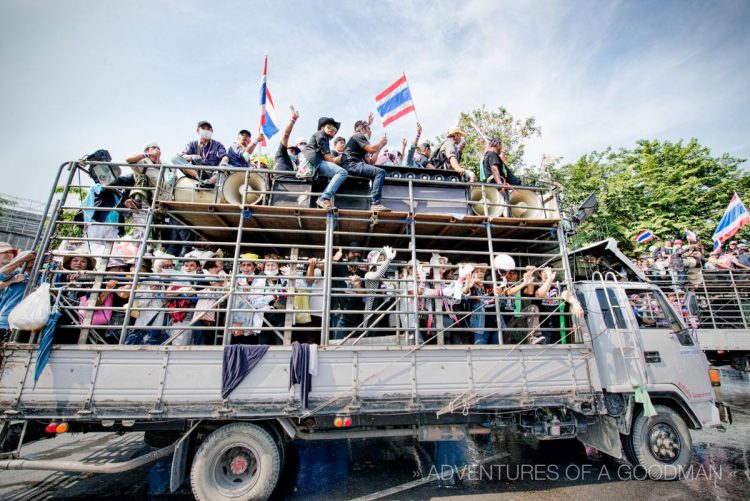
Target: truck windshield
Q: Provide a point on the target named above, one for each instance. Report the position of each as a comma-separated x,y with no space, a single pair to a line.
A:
653,311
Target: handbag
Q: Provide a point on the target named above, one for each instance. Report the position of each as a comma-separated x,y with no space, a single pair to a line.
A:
305,170
101,317
32,313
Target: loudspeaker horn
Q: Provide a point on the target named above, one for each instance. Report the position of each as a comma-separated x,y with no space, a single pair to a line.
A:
525,204
234,188
491,197
186,190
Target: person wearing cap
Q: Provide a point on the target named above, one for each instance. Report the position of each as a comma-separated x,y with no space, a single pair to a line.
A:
204,151
245,321
676,263
418,154
12,281
493,167
147,177
743,257
241,151
316,155
449,154
355,160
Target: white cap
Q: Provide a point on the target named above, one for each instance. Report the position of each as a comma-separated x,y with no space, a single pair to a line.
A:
152,144
300,140
504,262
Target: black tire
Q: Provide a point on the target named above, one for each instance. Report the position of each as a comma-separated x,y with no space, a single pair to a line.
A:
627,449
244,446
661,444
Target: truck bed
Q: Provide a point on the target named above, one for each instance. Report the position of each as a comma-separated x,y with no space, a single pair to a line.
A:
174,382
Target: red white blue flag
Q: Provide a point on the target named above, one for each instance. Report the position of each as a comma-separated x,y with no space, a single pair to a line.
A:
267,110
395,101
644,237
734,218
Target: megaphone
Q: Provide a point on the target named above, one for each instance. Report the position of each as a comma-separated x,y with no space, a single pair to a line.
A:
235,190
186,190
525,204
487,203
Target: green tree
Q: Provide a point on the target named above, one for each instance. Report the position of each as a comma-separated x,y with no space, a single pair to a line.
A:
664,187
499,123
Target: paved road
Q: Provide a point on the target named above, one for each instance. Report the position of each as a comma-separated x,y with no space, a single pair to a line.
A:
344,470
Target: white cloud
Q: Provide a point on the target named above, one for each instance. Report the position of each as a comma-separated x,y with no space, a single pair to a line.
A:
594,74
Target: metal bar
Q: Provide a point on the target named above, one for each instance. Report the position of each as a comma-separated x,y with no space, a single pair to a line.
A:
81,467
327,267
415,268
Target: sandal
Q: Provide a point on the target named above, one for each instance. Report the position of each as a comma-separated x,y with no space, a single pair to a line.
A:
325,204
379,207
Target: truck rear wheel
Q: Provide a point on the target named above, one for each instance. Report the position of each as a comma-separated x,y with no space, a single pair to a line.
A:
239,461
660,444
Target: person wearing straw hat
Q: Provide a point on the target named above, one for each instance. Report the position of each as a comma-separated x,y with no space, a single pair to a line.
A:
12,281
448,155
76,281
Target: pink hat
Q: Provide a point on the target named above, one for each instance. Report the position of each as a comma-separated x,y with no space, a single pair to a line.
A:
5,247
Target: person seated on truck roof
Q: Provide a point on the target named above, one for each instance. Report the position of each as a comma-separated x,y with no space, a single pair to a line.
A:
316,156
286,158
338,146
493,166
346,270
354,160
13,280
240,152
419,154
205,152
448,155
76,281
145,179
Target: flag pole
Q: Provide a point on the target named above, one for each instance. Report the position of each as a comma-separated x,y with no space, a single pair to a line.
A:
412,96
264,84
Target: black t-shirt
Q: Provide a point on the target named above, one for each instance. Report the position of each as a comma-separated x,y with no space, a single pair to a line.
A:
354,151
282,160
492,158
318,146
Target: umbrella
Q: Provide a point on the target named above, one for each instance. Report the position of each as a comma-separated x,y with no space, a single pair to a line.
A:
45,344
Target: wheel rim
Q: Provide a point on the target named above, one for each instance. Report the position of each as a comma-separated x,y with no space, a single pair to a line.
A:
235,469
664,443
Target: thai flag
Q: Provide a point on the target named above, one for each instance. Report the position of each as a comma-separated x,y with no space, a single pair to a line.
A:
267,110
644,237
395,101
691,237
734,218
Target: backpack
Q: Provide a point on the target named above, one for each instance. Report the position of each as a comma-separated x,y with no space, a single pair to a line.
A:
438,158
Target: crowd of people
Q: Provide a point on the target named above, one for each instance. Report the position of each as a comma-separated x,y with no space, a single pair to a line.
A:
187,300
679,263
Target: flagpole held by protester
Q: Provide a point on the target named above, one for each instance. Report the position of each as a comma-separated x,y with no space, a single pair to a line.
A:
267,113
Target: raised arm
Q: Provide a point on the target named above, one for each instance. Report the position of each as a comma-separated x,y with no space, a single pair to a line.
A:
289,127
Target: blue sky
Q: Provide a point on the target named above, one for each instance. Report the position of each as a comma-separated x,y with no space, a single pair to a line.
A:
82,75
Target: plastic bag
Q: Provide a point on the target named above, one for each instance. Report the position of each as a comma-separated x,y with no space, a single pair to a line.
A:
33,312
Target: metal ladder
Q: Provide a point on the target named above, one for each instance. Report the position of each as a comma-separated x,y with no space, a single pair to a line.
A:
630,350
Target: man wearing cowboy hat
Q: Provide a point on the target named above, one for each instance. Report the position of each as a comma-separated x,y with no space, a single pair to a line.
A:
12,281
449,153
317,153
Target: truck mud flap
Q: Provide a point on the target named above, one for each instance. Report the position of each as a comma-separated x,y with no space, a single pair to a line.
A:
603,435
179,460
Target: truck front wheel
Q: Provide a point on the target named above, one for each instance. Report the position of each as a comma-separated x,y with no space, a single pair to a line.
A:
239,461
660,444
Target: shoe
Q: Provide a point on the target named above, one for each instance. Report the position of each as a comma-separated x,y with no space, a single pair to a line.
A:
537,340
379,207
325,204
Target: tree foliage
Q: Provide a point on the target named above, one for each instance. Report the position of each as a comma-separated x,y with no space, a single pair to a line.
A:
664,187
499,123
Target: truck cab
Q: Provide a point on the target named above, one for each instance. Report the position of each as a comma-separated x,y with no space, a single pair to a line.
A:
640,342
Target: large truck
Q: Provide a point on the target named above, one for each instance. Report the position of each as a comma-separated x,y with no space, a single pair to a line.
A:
715,303
408,369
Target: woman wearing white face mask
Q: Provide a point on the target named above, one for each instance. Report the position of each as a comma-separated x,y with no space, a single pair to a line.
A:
268,292
205,152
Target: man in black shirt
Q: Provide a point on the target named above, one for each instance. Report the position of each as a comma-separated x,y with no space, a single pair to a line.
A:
495,170
358,156
317,155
